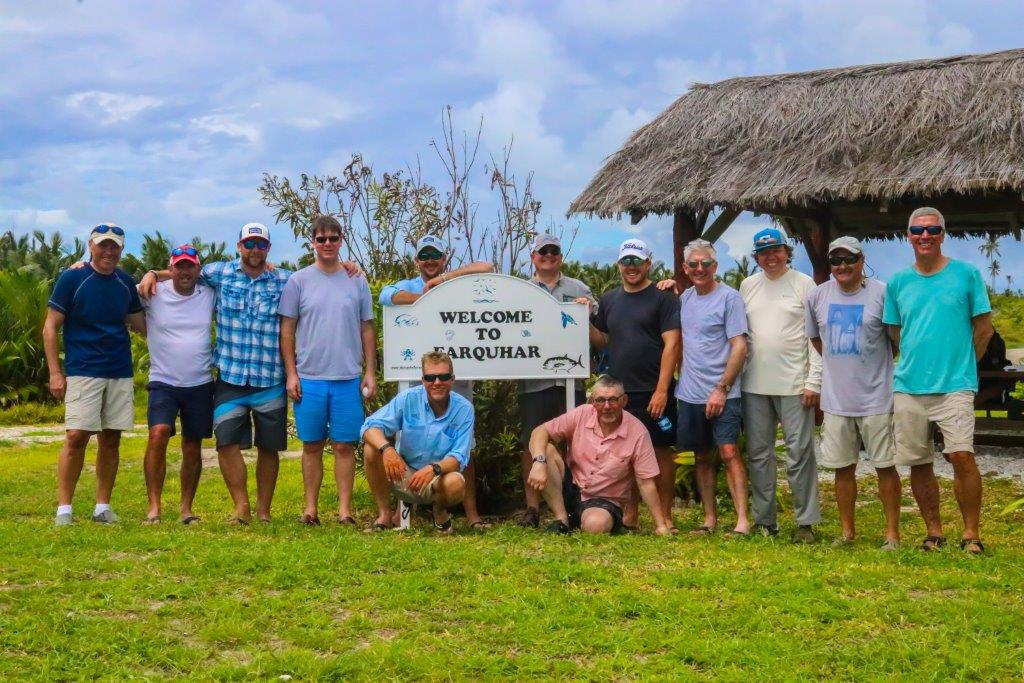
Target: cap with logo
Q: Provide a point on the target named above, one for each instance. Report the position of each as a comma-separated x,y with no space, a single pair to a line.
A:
768,239
634,247
254,230
432,242
543,240
850,244
184,252
107,231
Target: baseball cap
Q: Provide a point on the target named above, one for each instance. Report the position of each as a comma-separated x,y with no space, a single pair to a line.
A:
184,255
634,247
432,241
850,244
768,238
250,230
107,231
544,239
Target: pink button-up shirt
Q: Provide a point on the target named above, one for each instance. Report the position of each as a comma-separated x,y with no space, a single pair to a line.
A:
604,466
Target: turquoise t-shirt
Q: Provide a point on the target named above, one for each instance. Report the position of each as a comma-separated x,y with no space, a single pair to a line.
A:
937,337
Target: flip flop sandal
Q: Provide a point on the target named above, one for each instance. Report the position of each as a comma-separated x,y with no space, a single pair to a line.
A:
151,521
480,525
191,519
931,543
736,534
309,520
967,543
631,529
377,526
237,521
703,530
348,519
444,527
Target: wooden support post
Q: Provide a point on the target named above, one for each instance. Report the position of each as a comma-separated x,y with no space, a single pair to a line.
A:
816,243
717,228
684,231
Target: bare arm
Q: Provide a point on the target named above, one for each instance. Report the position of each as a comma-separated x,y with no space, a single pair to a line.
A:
649,492
294,386
816,343
983,331
147,286
476,268
737,356
51,326
669,362
404,298
598,339
894,337
368,333
137,322
539,440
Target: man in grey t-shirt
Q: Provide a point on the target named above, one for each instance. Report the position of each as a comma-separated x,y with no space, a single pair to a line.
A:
329,348
844,322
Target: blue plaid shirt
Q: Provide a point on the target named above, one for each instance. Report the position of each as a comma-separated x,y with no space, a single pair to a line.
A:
248,349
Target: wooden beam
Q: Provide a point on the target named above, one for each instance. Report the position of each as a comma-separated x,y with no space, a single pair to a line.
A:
684,231
717,228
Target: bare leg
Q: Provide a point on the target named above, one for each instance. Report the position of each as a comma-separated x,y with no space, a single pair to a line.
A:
191,470
889,492
926,493
373,467
108,443
846,498
154,464
736,478
967,487
449,490
631,511
704,465
469,500
69,464
532,497
232,468
312,474
344,476
553,489
666,480
267,465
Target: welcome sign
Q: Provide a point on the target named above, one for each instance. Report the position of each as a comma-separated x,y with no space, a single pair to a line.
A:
493,327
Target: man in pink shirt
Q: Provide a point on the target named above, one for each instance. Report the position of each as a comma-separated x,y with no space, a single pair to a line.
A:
607,449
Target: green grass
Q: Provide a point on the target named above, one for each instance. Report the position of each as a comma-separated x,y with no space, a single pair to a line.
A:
218,602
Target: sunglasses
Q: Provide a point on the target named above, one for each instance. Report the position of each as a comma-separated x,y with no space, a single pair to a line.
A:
848,260
429,255
550,250
705,262
178,251
920,229
323,239
442,376
262,245
104,229
631,261
606,400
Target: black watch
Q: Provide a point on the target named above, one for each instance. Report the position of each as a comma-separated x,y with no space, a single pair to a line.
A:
437,469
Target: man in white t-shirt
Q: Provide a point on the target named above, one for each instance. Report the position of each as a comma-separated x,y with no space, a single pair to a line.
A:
781,384
178,318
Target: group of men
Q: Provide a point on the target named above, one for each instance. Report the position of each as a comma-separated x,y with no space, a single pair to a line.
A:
746,362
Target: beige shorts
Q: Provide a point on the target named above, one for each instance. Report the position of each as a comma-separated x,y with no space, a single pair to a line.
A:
841,437
424,496
914,413
93,404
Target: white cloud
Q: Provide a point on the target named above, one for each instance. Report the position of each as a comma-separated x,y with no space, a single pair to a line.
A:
675,76
231,125
623,18
300,105
111,107
25,220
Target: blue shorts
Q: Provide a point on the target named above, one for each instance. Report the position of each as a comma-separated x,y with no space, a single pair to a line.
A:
193,404
699,434
329,408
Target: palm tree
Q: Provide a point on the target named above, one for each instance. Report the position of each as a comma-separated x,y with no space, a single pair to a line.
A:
990,250
740,272
993,271
1009,284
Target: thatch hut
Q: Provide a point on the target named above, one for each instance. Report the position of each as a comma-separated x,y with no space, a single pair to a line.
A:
831,152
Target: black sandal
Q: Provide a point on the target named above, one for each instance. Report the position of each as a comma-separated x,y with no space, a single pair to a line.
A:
965,543
931,543
444,527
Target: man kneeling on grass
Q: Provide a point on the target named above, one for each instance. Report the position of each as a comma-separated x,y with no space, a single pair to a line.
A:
426,467
607,448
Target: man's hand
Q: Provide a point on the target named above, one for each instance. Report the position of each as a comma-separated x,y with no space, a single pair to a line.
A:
659,399
716,403
419,480
666,284
538,478
352,268
147,287
811,399
585,300
368,386
76,265
294,386
58,385
394,466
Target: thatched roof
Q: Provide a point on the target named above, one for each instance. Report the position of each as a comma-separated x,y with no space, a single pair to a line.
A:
881,132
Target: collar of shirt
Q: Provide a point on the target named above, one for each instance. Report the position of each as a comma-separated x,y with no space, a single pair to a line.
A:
429,411
541,283
239,269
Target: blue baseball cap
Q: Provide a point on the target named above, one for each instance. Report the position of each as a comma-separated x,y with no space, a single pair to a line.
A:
432,241
769,238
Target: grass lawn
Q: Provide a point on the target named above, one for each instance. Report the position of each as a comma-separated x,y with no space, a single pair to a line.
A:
216,602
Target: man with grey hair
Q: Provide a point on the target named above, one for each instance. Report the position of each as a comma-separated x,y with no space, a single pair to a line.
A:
940,319
714,328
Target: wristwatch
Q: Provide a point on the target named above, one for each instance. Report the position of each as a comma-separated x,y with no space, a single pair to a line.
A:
437,469
540,457
725,387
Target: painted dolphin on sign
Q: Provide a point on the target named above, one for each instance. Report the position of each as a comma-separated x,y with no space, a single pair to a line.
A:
406,320
568,320
562,363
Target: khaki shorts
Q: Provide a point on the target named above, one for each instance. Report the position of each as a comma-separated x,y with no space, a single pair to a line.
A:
93,404
424,496
841,437
914,413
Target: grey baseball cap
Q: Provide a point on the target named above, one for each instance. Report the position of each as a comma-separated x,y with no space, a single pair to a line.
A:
850,244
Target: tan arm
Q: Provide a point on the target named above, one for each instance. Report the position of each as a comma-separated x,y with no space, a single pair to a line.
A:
51,327
983,331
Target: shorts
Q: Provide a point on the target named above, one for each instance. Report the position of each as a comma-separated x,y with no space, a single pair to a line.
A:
637,407
913,413
329,407
537,407
238,408
695,432
575,506
424,497
841,437
93,404
193,404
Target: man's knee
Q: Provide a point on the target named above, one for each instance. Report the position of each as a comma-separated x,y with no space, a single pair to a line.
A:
77,438
343,449
453,488
160,434
705,457
371,455
960,460
596,521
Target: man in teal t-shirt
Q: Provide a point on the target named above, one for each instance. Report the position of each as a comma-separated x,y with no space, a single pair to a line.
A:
940,319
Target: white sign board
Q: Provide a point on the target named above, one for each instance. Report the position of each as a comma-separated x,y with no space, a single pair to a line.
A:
493,327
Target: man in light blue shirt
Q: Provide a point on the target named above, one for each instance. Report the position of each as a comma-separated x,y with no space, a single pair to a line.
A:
437,432
940,319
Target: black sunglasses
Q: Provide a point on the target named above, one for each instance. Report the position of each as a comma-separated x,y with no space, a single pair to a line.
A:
848,260
322,239
706,262
550,250
429,255
431,378
104,229
920,229
178,251
262,245
631,260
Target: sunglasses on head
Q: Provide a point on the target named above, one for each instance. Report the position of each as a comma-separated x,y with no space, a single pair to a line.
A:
178,251
429,255
631,261
262,245
705,262
430,378
848,260
323,239
550,250
920,229
104,229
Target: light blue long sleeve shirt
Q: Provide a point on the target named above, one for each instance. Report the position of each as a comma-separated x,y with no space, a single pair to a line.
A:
426,438
414,285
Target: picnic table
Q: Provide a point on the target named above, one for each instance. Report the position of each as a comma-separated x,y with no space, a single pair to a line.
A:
991,397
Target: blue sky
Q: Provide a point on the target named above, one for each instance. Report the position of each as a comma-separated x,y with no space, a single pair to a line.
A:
164,115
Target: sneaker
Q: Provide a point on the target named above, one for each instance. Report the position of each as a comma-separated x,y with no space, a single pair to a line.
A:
64,519
804,534
765,529
106,517
889,546
557,527
529,518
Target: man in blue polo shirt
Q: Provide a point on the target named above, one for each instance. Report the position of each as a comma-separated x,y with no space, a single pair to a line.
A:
91,304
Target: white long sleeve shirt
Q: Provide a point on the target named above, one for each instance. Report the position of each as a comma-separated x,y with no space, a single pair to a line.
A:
781,360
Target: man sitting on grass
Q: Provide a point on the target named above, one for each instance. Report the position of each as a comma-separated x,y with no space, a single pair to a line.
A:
426,467
607,449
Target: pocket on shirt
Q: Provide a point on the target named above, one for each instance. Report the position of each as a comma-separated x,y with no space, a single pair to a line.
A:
232,299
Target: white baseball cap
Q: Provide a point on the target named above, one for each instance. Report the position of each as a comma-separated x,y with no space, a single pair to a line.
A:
432,241
250,230
634,247
107,231
850,244
545,239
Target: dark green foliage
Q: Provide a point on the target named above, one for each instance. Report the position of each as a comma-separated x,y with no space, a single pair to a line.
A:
23,373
